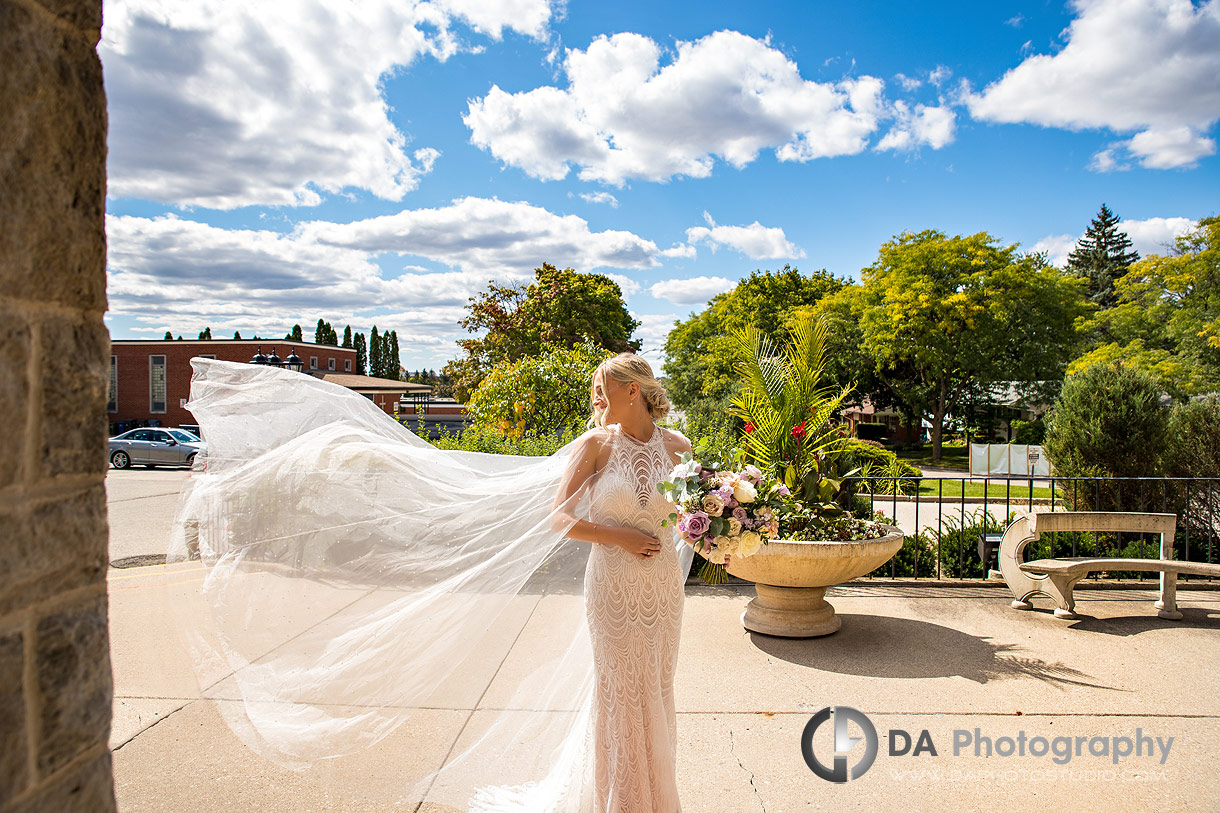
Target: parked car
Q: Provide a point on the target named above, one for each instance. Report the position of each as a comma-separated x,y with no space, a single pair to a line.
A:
154,447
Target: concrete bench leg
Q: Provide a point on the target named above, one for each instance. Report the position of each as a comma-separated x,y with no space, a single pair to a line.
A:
1167,607
1060,589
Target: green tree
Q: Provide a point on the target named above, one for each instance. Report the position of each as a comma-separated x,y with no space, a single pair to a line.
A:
347,336
237,335
561,306
1167,318
1102,256
206,333
295,335
943,317
169,337
543,393
700,374
362,361
393,359
325,334
1108,422
376,351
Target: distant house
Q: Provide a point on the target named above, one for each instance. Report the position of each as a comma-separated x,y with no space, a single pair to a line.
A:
867,422
150,381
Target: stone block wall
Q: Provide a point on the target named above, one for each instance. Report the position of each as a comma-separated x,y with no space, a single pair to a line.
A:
55,682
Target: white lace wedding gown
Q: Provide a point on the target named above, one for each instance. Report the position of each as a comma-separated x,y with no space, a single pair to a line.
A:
634,610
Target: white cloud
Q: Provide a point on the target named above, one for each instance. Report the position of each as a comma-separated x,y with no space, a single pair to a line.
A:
908,83
221,105
599,197
177,274
693,291
1170,148
623,115
1108,160
653,330
1150,236
491,235
1057,247
934,126
682,250
756,241
1129,65
940,75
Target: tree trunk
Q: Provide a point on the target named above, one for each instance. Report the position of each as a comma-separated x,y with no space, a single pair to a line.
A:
938,421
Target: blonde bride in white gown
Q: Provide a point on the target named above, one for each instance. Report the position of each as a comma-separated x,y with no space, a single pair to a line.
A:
356,577
633,586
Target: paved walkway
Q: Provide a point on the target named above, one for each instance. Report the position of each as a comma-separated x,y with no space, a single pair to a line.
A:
957,662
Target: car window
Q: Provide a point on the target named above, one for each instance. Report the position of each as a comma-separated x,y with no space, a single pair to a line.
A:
183,436
140,434
159,437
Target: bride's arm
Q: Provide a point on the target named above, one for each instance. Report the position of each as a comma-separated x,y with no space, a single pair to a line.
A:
582,468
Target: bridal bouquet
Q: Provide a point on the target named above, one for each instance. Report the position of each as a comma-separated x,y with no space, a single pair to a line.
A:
722,513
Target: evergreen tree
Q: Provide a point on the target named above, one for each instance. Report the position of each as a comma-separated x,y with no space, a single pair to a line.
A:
169,337
295,335
375,353
237,335
1102,256
319,332
347,336
394,360
179,337
206,333
361,346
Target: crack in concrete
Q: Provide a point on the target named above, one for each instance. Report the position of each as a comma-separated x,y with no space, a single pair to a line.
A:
732,750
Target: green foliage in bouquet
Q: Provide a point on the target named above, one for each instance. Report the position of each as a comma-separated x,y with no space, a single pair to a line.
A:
786,406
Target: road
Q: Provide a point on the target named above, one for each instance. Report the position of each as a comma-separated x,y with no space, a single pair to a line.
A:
141,504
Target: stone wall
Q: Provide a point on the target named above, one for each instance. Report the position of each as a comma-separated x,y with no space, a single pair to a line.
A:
55,683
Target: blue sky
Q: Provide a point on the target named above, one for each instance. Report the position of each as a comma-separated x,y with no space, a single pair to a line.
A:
379,162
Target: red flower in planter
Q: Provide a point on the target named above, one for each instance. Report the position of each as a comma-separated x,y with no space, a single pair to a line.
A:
798,431
749,427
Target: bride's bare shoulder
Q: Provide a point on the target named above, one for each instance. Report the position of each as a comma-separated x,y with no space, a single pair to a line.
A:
675,441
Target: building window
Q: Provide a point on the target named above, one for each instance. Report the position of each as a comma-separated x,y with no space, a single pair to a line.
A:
330,364
112,404
156,383
313,362
347,365
207,355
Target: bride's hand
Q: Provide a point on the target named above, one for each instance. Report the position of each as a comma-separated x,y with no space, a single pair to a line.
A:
641,544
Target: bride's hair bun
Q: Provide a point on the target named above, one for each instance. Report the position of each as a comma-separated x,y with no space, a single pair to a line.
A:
627,368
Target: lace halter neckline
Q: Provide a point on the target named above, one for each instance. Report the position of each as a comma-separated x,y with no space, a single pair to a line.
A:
655,431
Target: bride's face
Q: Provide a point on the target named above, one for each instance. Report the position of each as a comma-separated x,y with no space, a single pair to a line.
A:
611,397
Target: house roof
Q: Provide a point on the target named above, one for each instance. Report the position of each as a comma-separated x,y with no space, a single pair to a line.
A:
368,383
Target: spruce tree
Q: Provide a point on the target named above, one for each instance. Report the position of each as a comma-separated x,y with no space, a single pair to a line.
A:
347,336
169,337
295,335
361,346
1102,256
319,333
237,335
206,333
375,354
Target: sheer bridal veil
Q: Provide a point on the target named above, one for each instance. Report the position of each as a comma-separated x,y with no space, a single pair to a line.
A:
357,580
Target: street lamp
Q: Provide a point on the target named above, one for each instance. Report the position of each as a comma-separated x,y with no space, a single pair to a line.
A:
273,360
259,358
293,362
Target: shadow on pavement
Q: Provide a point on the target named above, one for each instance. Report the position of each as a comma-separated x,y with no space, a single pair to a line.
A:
1192,617
881,646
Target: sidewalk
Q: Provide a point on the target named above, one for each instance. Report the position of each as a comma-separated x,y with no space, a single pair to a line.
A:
945,659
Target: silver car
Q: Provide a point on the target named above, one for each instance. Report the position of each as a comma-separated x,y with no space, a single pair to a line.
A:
155,447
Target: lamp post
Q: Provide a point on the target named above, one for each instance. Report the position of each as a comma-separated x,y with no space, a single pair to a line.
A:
293,362
259,358
273,360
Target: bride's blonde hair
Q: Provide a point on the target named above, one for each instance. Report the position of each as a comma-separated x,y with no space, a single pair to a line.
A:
627,368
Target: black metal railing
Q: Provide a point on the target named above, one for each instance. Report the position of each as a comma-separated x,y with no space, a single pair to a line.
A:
946,518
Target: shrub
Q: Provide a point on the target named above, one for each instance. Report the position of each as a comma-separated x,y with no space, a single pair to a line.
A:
1194,450
1028,432
874,460
1108,422
492,441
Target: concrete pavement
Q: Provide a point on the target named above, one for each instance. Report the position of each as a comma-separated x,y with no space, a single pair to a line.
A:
141,504
948,660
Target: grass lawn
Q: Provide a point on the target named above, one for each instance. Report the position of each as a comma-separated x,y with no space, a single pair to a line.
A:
953,488
952,457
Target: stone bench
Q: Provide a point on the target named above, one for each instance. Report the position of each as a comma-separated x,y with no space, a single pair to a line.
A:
1056,578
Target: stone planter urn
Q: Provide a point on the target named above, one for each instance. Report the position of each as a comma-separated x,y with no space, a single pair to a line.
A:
792,576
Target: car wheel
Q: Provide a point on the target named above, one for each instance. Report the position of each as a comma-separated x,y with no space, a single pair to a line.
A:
190,461
120,460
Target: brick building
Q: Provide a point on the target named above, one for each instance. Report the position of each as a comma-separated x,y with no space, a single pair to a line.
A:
150,381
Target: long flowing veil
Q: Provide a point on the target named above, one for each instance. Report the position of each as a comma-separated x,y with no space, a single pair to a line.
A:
354,575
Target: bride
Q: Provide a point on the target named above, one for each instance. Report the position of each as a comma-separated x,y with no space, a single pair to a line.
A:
357,579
